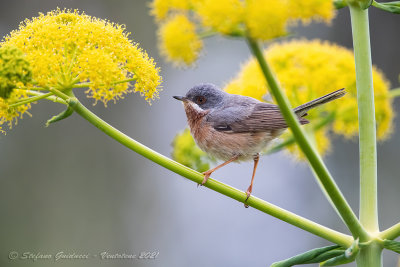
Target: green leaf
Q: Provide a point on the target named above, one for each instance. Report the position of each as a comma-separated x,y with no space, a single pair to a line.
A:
327,255
392,7
65,114
320,254
347,256
392,245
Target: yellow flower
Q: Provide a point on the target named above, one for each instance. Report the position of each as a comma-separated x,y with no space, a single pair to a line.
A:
266,19
160,8
309,69
178,40
260,19
223,16
323,10
186,152
65,47
9,116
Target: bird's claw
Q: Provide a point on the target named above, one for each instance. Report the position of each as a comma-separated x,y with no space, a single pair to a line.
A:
248,194
206,176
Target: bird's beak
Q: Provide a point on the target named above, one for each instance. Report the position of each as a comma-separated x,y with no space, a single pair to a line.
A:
180,98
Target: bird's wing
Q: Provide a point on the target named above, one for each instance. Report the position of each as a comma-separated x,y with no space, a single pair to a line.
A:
259,117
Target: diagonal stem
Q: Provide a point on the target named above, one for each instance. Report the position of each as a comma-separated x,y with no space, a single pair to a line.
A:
391,233
289,217
312,155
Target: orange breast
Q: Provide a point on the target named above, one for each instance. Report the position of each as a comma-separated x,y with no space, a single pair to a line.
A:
225,145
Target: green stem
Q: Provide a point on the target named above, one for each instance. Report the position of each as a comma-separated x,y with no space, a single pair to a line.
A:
30,99
394,92
312,155
366,118
84,85
51,97
370,255
36,88
279,147
391,233
289,217
206,34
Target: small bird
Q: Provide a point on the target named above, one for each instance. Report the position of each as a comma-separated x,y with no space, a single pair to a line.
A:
235,127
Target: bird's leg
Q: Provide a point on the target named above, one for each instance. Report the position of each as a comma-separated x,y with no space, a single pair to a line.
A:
208,173
248,192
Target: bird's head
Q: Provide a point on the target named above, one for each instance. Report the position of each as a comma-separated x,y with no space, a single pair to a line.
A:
205,96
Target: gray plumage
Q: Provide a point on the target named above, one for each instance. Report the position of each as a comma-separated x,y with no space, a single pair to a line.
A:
236,113
236,128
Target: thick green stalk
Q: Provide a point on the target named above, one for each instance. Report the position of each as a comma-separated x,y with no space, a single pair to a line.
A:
366,118
312,155
289,217
370,256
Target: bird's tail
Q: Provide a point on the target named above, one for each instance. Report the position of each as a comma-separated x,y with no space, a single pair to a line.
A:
302,109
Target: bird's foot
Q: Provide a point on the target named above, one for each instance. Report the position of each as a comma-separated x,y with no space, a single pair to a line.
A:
248,193
207,175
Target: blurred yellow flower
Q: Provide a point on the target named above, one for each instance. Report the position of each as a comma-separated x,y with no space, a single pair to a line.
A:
223,16
261,19
266,19
160,8
186,152
320,10
65,47
178,40
309,69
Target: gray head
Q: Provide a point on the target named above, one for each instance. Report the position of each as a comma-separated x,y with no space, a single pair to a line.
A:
205,95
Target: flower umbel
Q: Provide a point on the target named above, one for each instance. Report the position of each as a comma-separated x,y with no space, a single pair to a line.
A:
161,8
178,40
184,21
224,16
66,47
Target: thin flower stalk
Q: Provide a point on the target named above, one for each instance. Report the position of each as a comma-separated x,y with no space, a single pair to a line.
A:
315,160
289,217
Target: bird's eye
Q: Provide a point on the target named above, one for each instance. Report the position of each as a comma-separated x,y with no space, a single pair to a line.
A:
200,100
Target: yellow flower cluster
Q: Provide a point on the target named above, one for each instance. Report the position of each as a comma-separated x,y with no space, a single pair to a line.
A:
161,8
65,47
224,16
187,153
320,10
261,19
310,69
181,45
266,19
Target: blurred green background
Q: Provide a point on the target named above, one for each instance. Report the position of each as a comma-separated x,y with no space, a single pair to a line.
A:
70,188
